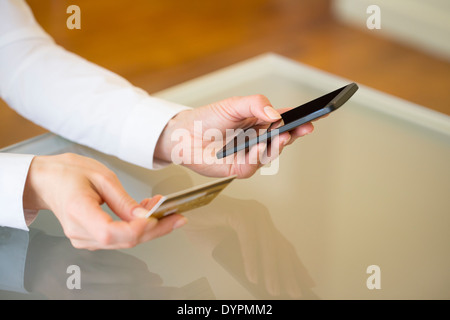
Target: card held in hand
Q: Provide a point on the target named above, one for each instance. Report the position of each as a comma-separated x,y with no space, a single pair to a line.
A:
189,199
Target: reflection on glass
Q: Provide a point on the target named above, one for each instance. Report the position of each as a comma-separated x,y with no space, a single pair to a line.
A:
242,238
104,274
247,244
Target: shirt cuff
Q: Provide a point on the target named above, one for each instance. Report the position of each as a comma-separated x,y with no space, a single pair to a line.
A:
13,172
143,128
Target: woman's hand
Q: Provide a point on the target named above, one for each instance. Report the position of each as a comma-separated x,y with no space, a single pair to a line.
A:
202,131
74,188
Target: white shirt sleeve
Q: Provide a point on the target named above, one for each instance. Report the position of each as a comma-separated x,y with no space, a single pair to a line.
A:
13,174
72,97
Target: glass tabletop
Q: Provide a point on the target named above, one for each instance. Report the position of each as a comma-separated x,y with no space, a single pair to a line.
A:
360,209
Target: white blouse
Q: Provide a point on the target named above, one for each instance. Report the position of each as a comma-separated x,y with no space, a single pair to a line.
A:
71,97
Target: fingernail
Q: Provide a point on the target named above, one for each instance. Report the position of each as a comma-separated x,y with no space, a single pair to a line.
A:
180,222
140,212
271,113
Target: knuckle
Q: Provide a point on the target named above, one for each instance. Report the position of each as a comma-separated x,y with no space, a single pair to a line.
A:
70,157
131,244
134,239
71,234
105,177
235,98
104,237
109,174
260,98
76,244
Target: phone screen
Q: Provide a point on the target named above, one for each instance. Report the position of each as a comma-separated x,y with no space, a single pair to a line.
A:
289,120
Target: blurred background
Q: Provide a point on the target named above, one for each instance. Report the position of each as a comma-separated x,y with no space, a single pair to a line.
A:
157,44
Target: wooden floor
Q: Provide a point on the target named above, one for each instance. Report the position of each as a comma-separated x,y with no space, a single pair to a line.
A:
156,44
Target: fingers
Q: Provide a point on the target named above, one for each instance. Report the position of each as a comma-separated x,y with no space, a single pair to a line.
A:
74,187
300,131
102,232
259,106
158,228
148,203
89,226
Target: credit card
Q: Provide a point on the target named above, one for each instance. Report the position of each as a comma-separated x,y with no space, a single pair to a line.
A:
189,199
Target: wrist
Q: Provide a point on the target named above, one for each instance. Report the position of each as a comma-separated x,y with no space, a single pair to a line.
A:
165,145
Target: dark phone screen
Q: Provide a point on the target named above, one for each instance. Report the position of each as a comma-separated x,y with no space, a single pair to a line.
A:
309,107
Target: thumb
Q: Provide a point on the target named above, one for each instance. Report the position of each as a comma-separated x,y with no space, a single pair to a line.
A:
149,203
255,106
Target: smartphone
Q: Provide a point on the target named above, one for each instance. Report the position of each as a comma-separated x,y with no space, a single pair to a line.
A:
289,120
